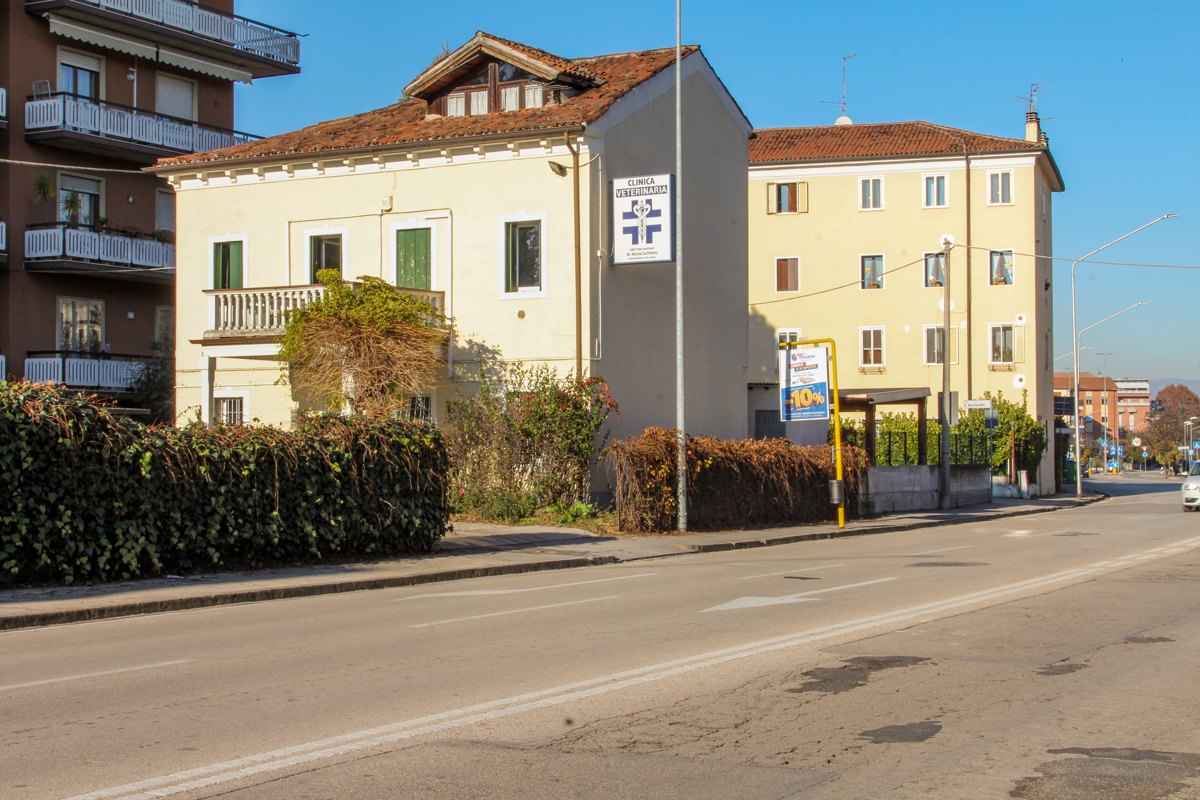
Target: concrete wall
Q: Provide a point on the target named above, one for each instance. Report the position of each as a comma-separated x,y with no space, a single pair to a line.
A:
891,490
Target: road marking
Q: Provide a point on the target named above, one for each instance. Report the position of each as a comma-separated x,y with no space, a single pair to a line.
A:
93,674
788,572
943,550
1104,564
515,611
800,597
309,752
481,592
1139,558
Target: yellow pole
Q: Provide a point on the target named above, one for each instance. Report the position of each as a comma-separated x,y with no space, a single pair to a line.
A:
837,417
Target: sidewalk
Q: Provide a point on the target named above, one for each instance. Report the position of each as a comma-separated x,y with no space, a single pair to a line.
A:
473,550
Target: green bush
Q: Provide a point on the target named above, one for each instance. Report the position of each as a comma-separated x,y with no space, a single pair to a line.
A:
92,497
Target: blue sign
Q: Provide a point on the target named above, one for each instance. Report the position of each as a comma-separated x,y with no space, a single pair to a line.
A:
803,384
643,219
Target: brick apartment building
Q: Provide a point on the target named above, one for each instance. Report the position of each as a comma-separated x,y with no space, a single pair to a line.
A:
1133,404
1098,403
92,91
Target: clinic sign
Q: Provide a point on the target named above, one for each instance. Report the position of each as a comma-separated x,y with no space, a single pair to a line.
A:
643,219
803,384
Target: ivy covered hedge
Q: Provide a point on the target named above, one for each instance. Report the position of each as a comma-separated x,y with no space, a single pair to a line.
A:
88,496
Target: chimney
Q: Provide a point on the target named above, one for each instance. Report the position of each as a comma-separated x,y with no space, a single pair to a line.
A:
1033,127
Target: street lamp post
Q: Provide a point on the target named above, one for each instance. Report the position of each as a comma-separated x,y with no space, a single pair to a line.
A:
1075,344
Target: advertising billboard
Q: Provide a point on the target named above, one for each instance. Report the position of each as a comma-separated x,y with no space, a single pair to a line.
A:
643,212
803,384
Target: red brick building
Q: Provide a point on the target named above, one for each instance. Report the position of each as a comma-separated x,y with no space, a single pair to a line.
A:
1098,403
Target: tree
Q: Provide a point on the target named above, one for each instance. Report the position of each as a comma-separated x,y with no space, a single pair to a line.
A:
43,192
1172,406
367,346
72,206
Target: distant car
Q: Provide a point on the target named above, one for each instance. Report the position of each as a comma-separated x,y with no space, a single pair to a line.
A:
1191,489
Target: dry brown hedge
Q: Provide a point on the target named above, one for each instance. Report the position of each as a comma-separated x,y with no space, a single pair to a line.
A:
732,484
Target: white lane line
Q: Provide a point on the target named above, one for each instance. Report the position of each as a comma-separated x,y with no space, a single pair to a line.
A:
799,597
943,550
482,592
93,674
282,758
1174,550
1140,558
1104,564
788,572
514,611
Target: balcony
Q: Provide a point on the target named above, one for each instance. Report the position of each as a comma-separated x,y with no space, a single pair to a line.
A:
61,247
103,372
119,131
3,243
3,369
155,28
262,313
3,110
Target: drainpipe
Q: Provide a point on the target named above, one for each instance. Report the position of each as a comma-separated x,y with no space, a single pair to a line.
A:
970,321
578,265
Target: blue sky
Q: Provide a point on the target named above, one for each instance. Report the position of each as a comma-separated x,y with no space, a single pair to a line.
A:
1124,103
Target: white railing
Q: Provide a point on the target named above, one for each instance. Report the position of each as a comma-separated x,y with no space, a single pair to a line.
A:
66,241
3,236
250,311
87,372
114,122
3,369
185,16
3,103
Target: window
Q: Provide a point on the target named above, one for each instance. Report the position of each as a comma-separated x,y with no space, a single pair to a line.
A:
420,409
325,252
79,199
164,210
227,265
1008,344
164,324
935,191
935,270
523,245
871,354
80,325
870,194
935,345
787,198
872,272
1000,188
456,105
230,410
1000,272
533,96
176,97
479,102
510,98
413,258
785,336
787,274
1103,399
79,74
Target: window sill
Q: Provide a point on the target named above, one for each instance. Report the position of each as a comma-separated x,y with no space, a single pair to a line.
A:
934,208
532,295
878,369
1002,367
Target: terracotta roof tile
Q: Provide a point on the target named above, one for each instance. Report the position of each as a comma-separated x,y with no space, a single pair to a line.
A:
405,123
872,140
563,65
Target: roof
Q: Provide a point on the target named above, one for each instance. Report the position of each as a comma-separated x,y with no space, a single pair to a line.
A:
1087,382
545,65
405,123
879,140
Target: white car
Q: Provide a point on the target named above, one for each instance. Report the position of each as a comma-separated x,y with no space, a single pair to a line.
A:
1191,489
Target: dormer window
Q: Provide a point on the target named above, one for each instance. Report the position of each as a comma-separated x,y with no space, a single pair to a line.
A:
456,105
496,86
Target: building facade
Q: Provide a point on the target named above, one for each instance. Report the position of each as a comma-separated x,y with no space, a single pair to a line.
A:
1133,404
91,92
463,194
1099,404
845,243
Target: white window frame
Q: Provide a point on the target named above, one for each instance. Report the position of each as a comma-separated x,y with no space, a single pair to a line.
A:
92,177
953,348
195,92
991,327
775,262
410,225
882,345
103,67
882,192
57,319
309,235
924,276
924,178
882,273
228,394
1013,254
1012,187
462,97
244,238
502,252
793,335
801,197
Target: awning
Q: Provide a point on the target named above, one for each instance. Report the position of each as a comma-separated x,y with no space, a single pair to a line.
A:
203,65
83,33
862,399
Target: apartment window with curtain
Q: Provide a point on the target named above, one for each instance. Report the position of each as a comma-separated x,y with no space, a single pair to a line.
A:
79,199
871,353
787,274
227,265
325,252
870,194
1000,188
1008,345
79,74
456,105
80,325
935,345
872,272
1000,269
935,270
935,191
523,257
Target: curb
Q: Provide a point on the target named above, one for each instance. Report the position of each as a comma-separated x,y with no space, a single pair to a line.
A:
44,619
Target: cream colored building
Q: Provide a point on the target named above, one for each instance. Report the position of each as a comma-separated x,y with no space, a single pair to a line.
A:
845,225
455,194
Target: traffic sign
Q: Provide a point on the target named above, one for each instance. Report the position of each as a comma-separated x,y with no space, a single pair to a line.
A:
973,404
1137,442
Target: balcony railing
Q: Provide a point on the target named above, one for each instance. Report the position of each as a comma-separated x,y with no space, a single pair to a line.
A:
246,35
64,111
3,369
61,240
3,103
259,312
115,372
3,236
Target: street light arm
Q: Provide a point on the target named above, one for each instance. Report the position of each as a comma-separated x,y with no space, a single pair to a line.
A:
1106,319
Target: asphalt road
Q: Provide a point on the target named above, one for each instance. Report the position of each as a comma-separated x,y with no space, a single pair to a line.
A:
1046,656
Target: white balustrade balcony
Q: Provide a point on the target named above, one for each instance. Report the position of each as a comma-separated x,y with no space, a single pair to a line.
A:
85,370
263,312
226,31
93,251
120,125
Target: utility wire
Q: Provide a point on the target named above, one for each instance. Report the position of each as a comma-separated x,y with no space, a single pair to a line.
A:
73,167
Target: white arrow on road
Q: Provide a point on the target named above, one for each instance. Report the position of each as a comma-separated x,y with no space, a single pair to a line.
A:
755,602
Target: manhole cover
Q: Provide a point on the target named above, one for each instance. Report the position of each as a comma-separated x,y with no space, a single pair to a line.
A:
948,564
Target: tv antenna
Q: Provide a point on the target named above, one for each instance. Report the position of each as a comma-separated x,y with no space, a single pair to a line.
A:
843,103
1035,89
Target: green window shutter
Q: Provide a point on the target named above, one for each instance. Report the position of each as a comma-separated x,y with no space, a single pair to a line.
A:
227,265
510,271
235,265
413,262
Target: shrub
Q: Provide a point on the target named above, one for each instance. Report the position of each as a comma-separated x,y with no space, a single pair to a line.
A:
731,484
91,497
